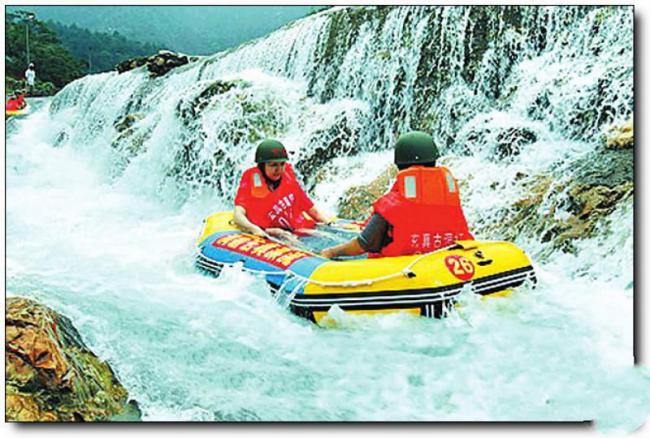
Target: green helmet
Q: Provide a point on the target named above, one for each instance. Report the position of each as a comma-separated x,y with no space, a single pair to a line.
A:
415,147
270,151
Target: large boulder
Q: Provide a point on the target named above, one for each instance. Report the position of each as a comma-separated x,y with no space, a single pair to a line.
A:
52,376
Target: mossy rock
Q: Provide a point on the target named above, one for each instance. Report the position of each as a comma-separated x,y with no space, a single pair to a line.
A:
189,110
127,121
620,137
559,213
511,141
356,202
158,65
50,373
606,167
339,139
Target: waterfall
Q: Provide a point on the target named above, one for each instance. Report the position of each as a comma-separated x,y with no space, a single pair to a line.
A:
350,80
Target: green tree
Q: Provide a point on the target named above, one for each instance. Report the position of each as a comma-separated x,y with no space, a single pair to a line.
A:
100,51
53,62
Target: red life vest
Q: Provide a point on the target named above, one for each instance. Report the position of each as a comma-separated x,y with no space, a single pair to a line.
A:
15,104
285,207
423,206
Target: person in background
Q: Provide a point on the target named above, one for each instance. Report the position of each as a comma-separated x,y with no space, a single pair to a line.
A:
16,101
419,214
270,201
30,77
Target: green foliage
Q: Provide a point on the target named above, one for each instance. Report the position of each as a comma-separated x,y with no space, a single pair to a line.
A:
54,64
197,30
101,51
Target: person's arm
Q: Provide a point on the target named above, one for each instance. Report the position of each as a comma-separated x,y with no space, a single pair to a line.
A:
349,248
317,215
242,221
372,239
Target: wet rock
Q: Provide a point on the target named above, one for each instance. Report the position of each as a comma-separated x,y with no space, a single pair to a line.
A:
511,141
620,137
189,110
337,140
61,138
590,204
127,121
526,216
356,202
605,167
589,201
561,211
131,64
339,36
502,142
131,140
157,65
51,375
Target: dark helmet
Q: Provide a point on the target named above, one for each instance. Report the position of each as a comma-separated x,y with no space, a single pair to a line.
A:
415,147
270,151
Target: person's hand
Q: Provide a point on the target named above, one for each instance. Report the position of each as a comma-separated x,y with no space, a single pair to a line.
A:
259,232
328,253
280,233
329,221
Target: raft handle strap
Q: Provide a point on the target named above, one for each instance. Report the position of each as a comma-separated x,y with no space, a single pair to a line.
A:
405,272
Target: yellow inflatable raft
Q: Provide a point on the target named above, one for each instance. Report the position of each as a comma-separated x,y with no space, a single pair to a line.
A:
310,285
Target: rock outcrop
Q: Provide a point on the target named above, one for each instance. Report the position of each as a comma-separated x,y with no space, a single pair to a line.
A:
356,202
52,376
188,110
620,137
339,139
558,209
157,65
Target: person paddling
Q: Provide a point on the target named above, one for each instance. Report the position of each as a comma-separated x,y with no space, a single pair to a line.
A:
270,201
16,102
419,214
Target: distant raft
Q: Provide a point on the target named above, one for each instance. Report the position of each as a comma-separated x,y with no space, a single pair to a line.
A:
17,113
310,285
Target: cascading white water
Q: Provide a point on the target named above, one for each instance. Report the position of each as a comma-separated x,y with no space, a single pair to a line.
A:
107,187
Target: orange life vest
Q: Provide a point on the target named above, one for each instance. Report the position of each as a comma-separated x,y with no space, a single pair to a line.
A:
423,206
285,207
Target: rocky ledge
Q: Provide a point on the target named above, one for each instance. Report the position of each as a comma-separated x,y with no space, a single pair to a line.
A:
52,376
157,65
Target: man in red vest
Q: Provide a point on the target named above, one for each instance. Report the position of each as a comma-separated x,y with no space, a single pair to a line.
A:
419,214
270,200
